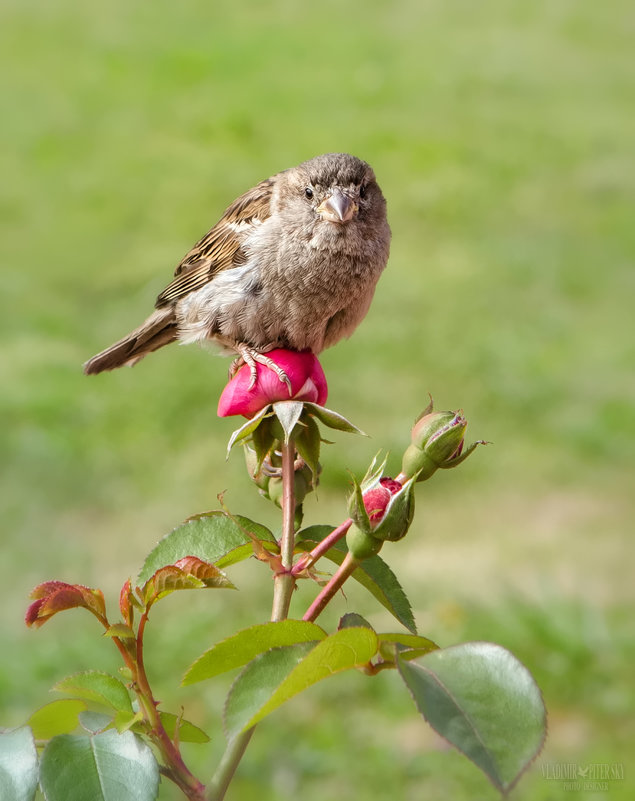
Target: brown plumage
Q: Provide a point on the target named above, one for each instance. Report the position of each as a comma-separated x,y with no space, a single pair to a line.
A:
292,263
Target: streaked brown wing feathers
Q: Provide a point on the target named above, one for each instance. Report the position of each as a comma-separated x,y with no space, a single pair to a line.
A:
220,248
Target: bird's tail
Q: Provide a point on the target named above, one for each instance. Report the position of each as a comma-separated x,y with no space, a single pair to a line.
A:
158,330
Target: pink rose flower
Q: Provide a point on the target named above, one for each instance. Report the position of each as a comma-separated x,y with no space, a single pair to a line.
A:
305,373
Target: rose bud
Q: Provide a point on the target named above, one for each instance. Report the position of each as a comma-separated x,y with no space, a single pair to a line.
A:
381,507
437,442
398,514
304,372
377,499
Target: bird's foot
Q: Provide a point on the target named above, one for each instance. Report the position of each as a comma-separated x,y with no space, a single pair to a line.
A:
251,357
274,471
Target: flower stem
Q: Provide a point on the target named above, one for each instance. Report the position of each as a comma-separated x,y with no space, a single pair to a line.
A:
322,547
346,569
284,584
234,751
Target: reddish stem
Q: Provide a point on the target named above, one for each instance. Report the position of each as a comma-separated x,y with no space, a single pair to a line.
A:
348,566
176,768
322,547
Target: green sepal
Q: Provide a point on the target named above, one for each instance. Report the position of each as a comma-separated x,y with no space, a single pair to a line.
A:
332,419
288,413
245,431
263,442
456,460
398,516
361,544
307,443
437,424
357,510
375,471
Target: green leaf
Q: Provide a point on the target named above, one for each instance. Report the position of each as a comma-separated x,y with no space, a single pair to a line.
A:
120,630
332,419
353,620
483,701
244,552
373,573
105,767
412,644
276,676
98,687
288,413
181,729
58,717
94,722
242,647
209,536
126,720
18,765
256,683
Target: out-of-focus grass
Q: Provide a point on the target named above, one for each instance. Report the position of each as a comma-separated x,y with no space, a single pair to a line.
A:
502,137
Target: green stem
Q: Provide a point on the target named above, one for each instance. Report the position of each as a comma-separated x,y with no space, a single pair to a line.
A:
234,751
284,584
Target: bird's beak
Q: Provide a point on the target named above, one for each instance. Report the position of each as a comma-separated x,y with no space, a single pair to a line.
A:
337,208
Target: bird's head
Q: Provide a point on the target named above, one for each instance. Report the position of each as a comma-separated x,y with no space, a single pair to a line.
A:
335,190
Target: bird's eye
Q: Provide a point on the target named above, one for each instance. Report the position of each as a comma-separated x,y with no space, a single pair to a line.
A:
308,192
362,190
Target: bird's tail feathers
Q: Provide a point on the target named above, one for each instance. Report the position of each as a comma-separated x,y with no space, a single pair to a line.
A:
158,330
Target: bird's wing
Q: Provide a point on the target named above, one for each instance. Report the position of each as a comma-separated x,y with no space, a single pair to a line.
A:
220,248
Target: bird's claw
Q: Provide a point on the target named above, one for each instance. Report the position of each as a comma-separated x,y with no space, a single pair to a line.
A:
251,358
274,471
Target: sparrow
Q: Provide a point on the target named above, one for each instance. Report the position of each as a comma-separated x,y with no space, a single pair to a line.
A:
293,263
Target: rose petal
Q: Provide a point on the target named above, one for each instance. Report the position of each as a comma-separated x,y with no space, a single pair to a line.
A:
303,370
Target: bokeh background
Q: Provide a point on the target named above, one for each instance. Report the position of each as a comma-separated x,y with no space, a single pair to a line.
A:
502,135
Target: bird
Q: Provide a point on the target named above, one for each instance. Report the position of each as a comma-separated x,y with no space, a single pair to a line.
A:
292,263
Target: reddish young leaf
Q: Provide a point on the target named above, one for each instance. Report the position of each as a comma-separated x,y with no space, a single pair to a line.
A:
47,588
125,603
188,573
206,572
32,613
166,580
56,596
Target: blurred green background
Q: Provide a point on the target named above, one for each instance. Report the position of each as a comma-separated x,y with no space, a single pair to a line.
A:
502,135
